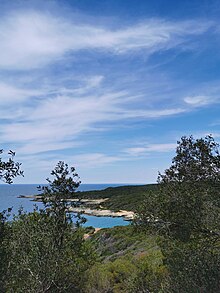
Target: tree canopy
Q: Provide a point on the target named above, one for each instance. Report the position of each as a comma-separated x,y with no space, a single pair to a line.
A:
188,198
195,160
185,212
44,250
9,169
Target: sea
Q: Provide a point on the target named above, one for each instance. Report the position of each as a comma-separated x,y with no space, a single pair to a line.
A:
9,199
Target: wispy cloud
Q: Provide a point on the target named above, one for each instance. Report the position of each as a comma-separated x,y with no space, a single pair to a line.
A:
56,122
53,117
150,148
215,123
65,81
31,39
198,101
95,160
10,94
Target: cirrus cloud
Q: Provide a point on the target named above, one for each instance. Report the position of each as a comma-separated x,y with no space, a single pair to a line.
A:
32,39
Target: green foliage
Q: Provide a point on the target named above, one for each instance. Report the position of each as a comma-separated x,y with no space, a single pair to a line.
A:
188,200
121,197
55,199
130,262
194,267
147,278
44,250
37,263
9,169
125,275
178,251
182,209
195,160
123,241
4,232
109,277
56,195
186,211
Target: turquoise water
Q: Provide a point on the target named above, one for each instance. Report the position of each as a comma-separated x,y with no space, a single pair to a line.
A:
105,222
9,194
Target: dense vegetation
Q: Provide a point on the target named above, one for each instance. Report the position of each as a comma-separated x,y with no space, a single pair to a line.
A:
172,246
121,197
44,251
185,210
129,261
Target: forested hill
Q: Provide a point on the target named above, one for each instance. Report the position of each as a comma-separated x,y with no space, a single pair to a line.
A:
122,197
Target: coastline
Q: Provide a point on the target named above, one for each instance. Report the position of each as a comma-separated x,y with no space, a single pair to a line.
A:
88,235
127,215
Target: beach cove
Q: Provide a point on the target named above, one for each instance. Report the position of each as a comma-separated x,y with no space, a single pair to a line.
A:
10,196
85,209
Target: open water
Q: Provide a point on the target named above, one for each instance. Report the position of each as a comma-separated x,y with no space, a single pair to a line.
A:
9,198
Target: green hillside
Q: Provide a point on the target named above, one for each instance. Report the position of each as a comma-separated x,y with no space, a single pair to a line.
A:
121,197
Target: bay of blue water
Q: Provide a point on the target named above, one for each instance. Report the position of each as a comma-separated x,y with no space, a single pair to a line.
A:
9,198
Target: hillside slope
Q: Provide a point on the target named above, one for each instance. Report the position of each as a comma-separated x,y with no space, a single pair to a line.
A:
120,198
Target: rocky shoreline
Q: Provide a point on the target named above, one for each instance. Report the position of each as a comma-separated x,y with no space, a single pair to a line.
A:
127,215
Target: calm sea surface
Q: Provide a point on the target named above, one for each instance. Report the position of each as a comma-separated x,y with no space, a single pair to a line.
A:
9,194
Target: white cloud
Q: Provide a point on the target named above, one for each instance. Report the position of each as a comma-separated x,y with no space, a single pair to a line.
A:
33,39
215,123
163,147
94,160
198,101
49,110
150,148
56,122
10,94
153,113
53,116
45,146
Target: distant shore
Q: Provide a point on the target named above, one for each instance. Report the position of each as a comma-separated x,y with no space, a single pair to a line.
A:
127,215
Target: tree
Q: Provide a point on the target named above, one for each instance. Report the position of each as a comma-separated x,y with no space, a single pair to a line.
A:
38,262
47,250
188,198
185,211
9,169
56,198
195,160
194,267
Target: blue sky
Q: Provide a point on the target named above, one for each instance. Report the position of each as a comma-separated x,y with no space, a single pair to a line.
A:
107,86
